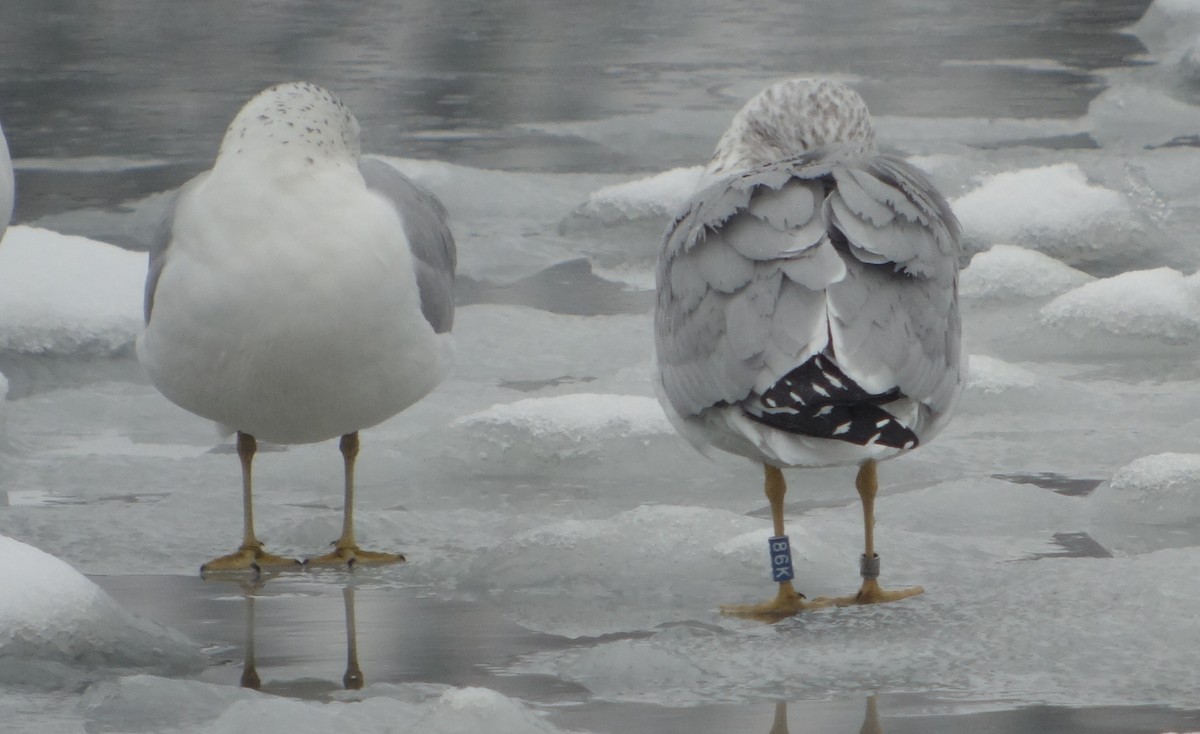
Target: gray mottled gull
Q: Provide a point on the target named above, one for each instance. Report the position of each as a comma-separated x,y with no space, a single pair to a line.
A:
807,310
298,293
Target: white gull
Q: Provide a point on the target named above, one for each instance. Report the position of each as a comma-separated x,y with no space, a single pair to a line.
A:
298,293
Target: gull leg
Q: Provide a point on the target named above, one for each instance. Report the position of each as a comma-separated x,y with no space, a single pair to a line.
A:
779,725
871,593
787,601
870,723
345,550
250,556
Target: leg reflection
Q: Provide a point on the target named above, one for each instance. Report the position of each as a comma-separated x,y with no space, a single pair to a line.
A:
353,679
250,677
870,723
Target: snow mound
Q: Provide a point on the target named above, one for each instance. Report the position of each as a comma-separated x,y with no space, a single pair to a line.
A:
1162,489
992,376
151,704
563,428
1054,210
576,417
65,295
1166,23
622,224
657,197
1008,272
1160,305
55,625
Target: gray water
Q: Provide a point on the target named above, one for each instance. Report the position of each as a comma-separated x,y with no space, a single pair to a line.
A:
468,82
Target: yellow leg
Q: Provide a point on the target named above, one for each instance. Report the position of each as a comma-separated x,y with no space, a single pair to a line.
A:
871,593
787,601
870,723
250,556
345,550
779,725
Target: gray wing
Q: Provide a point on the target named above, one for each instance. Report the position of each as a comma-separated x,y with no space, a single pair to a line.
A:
894,318
425,224
161,243
807,256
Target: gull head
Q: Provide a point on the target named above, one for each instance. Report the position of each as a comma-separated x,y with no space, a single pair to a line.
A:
793,117
297,119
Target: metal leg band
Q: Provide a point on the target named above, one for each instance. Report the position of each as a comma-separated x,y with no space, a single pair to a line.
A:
869,567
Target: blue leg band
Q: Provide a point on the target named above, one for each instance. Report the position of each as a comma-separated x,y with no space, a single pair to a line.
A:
781,558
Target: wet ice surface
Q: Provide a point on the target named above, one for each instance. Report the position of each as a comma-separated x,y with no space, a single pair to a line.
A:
567,552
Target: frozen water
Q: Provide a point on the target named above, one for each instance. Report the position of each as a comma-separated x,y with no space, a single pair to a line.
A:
1053,524
57,625
1150,503
144,703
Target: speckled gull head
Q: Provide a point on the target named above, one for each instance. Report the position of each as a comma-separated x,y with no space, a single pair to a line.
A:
791,117
296,119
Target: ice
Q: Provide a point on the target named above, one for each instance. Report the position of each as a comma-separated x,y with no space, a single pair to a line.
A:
522,213
1167,24
1151,502
145,703
1159,306
1019,632
57,627
1008,272
1055,210
66,295
658,197
1005,613
621,573
563,428
628,219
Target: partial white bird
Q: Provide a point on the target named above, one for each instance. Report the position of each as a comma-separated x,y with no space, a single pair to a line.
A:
6,185
807,310
298,293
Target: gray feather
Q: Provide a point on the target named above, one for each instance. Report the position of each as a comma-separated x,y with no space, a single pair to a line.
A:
429,236
161,243
879,279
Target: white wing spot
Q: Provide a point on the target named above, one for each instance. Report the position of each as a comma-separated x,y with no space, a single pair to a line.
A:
882,422
844,428
820,390
833,380
825,410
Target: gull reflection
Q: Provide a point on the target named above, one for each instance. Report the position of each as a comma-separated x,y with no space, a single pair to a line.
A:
870,723
352,679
